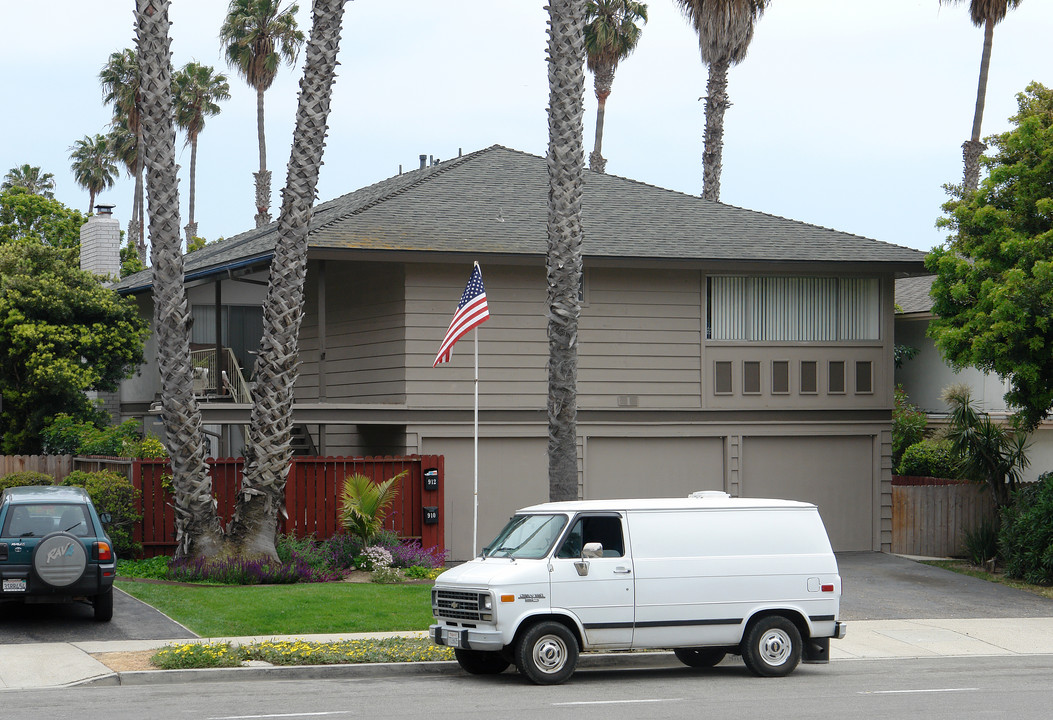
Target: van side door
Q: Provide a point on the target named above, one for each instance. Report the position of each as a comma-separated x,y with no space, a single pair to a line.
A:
596,587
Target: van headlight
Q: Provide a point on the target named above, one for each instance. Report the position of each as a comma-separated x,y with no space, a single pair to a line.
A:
486,607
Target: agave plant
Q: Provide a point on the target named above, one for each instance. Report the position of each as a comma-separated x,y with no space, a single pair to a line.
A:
364,505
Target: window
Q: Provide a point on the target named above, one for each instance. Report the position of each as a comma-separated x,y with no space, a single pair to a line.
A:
864,377
242,330
837,377
792,309
780,377
751,377
605,530
722,377
809,377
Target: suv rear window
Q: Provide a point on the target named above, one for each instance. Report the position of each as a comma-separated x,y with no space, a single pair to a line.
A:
38,520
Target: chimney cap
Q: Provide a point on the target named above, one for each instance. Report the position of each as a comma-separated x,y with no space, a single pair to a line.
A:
104,209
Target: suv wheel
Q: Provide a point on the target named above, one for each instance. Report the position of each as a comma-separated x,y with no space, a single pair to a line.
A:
103,603
59,559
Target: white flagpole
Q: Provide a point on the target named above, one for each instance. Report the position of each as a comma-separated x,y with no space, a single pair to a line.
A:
475,516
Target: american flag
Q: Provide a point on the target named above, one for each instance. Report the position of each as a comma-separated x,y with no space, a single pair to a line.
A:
471,312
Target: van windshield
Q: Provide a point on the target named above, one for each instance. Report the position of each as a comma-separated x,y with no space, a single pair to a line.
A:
527,536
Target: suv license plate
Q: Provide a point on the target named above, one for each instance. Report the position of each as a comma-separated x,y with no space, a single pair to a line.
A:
18,585
453,638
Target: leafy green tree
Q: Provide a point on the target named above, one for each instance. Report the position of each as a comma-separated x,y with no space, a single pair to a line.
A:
725,30
985,14
908,424
257,35
121,88
994,276
31,179
364,505
197,90
93,165
611,35
34,218
61,333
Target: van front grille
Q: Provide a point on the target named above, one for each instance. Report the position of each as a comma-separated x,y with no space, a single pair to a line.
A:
458,605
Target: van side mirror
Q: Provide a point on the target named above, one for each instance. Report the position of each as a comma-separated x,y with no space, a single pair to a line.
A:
592,550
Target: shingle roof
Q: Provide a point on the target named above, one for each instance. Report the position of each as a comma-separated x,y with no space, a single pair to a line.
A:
494,201
912,294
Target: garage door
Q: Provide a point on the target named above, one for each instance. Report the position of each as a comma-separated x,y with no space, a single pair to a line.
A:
835,473
652,467
513,473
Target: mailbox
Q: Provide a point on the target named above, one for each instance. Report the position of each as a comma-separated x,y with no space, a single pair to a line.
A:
431,479
431,514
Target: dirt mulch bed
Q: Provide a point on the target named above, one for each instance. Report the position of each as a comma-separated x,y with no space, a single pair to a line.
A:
126,661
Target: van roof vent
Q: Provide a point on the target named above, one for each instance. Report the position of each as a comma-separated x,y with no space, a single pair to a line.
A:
703,494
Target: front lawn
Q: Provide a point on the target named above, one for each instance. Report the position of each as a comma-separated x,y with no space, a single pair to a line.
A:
298,609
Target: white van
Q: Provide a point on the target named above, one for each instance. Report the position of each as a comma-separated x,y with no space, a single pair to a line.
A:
704,576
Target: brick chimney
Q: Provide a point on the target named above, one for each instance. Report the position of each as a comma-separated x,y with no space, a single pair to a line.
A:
100,243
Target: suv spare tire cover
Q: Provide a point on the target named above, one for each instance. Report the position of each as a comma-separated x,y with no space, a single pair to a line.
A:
59,559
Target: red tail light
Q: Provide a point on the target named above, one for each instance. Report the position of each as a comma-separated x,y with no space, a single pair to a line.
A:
827,588
103,551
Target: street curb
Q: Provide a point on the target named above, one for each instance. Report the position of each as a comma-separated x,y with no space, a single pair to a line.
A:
360,670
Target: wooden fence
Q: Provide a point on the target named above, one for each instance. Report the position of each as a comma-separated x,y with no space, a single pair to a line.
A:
930,516
57,466
312,495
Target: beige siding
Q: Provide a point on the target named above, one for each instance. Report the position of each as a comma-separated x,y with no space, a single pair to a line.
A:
364,338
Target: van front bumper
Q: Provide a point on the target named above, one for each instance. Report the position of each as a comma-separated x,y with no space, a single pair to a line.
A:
466,638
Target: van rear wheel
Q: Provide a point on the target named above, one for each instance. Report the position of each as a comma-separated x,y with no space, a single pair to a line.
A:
481,662
547,653
772,647
703,657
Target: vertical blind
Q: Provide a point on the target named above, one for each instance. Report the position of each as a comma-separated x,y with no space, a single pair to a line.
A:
795,309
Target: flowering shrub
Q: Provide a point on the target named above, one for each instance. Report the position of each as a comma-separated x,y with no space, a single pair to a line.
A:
239,571
411,554
196,655
301,652
374,557
386,575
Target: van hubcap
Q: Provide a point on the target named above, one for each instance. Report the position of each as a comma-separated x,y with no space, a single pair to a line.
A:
550,654
775,647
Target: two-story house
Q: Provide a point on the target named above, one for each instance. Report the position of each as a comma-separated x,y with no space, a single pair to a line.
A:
720,348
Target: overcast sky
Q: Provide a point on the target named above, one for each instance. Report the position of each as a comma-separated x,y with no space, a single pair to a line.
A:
846,114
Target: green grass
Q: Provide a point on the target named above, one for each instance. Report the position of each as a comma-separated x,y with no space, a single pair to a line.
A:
300,609
965,568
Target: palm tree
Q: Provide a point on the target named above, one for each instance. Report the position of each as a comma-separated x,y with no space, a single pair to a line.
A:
725,29
31,179
198,530
268,451
197,89
93,165
257,36
565,159
121,89
611,35
985,14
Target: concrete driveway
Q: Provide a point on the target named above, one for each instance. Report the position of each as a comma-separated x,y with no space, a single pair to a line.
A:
876,586
74,622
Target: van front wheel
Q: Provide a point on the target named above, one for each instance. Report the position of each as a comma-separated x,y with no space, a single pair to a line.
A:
479,662
547,653
772,647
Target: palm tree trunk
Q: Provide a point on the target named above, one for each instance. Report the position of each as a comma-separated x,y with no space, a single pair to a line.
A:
716,104
140,236
268,450
566,74
603,79
91,201
973,148
191,226
198,530
263,177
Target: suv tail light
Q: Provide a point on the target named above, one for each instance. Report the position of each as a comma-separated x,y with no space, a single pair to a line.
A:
103,552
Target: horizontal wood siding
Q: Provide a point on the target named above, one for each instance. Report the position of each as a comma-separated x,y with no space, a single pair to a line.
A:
365,337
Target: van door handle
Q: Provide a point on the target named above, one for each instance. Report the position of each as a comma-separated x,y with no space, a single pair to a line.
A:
622,570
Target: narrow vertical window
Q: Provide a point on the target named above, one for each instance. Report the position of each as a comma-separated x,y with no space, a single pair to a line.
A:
751,377
809,377
780,377
837,377
722,378
864,377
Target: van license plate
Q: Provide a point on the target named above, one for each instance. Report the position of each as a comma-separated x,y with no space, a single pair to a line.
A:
453,638
18,585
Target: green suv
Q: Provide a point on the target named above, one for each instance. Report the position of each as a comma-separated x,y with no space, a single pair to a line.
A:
54,549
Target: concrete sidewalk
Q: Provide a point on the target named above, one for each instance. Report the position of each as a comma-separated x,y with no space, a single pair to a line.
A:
50,665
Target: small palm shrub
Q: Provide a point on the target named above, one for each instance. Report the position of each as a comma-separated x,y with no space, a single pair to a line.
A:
981,543
929,458
364,504
1025,540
